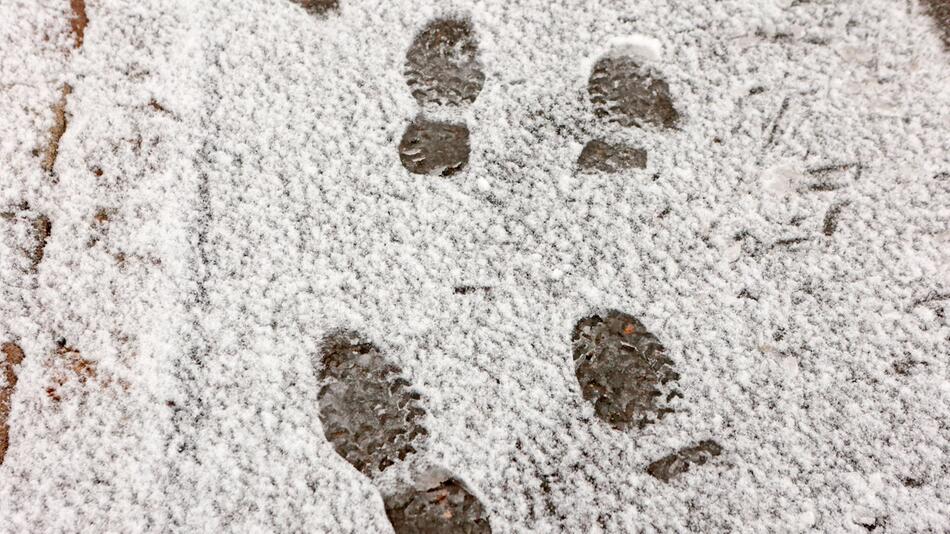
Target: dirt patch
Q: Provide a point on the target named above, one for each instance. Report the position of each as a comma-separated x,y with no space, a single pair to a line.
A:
432,147
605,157
446,508
679,462
57,131
12,356
369,412
627,93
622,369
442,64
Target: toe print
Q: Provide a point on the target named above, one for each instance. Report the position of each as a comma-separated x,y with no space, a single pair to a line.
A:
374,420
10,357
368,410
442,64
680,461
623,370
448,507
437,148
442,68
630,94
610,158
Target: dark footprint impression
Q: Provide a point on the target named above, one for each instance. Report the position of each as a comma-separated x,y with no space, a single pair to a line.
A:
622,369
627,93
374,419
442,69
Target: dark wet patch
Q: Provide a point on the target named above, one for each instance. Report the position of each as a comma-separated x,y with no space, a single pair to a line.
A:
601,156
939,10
369,412
433,147
679,462
622,369
318,7
12,356
625,92
446,508
442,64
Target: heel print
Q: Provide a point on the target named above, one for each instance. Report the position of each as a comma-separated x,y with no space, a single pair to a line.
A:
442,70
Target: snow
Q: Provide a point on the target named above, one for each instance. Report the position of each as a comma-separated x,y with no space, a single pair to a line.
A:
248,151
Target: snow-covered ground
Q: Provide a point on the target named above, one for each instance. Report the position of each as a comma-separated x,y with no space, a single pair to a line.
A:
229,189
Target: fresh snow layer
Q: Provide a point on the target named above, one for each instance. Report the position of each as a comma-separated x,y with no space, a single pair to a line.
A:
788,243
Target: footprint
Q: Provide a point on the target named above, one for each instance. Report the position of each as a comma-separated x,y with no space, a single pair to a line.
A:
437,148
369,412
442,64
679,462
12,357
622,369
624,91
602,156
630,94
445,507
442,69
374,420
